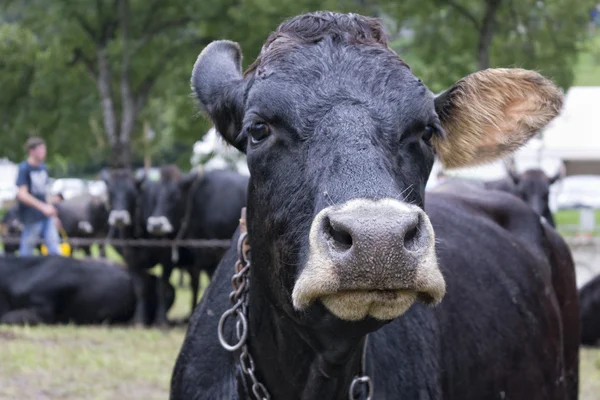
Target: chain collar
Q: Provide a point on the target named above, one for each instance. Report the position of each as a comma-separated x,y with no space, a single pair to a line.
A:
239,310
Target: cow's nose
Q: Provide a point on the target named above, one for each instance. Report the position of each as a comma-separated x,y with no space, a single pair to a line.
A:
160,225
350,232
370,258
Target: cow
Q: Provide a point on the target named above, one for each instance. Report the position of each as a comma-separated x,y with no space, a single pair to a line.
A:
11,229
84,217
195,206
346,253
532,186
131,201
589,299
125,223
60,290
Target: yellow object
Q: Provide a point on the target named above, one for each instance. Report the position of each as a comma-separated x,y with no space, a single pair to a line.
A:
65,247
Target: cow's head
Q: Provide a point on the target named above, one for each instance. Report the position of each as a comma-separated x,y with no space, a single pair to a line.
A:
533,187
163,202
340,138
122,190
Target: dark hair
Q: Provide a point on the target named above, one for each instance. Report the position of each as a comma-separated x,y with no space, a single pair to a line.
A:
34,142
311,28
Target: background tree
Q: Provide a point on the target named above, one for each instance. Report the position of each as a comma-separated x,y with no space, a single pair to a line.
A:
462,36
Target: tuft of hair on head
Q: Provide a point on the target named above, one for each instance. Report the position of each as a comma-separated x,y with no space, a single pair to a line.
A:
491,113
34,142
311,28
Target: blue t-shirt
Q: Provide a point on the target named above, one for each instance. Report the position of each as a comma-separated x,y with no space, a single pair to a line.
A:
36,180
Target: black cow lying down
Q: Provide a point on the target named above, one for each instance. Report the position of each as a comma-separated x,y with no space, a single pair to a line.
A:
346,254
589,299
58,290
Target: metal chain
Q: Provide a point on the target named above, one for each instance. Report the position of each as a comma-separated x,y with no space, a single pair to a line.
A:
362,378
238,298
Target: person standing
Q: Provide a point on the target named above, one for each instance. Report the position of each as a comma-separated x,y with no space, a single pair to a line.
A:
36,215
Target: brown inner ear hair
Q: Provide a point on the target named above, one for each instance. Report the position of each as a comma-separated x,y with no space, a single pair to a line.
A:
491,113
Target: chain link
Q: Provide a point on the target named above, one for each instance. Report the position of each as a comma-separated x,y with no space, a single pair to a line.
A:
238,298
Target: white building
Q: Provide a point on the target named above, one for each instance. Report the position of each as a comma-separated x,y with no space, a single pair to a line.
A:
212,152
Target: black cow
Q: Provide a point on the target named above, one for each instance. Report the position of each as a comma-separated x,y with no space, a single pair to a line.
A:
84,217
131,201
125,222
11,229
532,186
212,202
589,299
57,290
340,138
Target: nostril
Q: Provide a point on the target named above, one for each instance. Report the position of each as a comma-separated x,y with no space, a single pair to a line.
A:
337,236
412,238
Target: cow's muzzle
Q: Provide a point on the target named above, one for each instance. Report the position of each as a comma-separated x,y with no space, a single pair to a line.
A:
370,258
85,227
159,225
119,218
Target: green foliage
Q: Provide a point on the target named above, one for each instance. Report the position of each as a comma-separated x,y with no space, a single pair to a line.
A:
50,61
447,41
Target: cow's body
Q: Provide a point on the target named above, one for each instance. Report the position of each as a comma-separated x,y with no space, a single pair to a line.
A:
532,186
589,299
340,139
56,289
11,229
500,295
197,206
215,211
84,217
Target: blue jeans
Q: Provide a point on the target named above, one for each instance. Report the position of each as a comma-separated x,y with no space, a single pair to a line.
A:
31,233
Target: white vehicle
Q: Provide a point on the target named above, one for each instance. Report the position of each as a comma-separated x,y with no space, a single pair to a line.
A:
69,187
97,188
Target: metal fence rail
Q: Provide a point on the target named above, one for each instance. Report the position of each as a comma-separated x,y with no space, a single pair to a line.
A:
190,243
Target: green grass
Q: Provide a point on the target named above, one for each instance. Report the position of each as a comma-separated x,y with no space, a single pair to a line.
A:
589,386
570,218
67,362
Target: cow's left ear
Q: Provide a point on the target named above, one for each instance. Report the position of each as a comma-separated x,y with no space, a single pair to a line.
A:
490,114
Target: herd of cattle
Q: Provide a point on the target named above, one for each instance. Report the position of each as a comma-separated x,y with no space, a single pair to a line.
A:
134,209
347,248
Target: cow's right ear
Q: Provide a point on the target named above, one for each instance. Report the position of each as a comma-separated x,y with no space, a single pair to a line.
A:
219,86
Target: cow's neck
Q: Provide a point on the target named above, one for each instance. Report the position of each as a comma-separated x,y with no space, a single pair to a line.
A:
286,360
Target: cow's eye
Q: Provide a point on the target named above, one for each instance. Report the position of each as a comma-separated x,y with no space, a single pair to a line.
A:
428,133
258,132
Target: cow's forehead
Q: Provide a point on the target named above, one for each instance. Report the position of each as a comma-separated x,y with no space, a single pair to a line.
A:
301,84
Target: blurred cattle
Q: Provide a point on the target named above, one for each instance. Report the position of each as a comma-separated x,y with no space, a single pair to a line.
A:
532,186
59,290
11,229
84,217
589,300
207,204
195,206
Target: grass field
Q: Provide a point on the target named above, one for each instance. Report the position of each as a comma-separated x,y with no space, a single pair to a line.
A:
123,363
